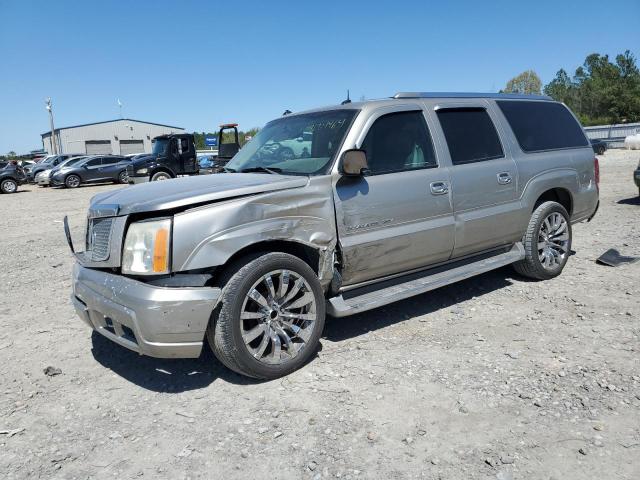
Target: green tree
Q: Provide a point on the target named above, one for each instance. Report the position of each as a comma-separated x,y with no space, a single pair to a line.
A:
527,82
601,91
11,154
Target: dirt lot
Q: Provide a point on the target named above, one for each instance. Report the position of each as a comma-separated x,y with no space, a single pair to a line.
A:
495,377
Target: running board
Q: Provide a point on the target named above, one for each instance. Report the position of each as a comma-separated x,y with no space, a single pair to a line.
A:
341,307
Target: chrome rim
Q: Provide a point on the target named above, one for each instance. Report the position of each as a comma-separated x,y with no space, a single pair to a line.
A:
162,177
73,181
9,186
124,178
278,316
553,241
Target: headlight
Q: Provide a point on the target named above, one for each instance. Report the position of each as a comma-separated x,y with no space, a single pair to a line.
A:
142,171
146,248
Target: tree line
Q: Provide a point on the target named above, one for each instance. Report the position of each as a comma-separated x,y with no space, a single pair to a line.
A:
601,91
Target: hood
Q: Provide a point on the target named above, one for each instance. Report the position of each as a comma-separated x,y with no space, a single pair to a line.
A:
186,191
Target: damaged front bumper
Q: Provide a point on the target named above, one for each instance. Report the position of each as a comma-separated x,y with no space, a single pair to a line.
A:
156,321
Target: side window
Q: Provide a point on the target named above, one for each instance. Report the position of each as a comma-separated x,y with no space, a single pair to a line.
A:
109,160
184,145
542,126
470,134
94,162
397,142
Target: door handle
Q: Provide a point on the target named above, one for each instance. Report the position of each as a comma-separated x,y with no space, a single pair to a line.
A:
504,178
439,188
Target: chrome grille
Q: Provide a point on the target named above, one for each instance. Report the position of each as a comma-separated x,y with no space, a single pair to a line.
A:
98,237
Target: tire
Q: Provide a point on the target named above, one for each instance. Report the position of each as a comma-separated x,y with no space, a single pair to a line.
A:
258,358
159,176
123,177
72,181
8,185
549,260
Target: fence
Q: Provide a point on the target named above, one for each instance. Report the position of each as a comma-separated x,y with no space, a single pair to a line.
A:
614,135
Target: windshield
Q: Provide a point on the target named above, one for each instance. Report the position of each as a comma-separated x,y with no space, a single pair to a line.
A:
299,144
160,146
47,160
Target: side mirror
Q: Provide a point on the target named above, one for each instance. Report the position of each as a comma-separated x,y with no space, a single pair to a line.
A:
354,163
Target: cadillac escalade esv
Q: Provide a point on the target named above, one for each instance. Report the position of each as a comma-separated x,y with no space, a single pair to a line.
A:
390,198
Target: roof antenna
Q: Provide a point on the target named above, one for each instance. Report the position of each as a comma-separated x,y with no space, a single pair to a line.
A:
286,112
348,100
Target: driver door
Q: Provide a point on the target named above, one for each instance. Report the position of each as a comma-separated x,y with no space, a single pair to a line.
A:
399,216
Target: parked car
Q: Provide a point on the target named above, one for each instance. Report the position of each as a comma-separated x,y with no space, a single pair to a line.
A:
95,169
599,146
49,162
636,177
398,197
11,176
43,178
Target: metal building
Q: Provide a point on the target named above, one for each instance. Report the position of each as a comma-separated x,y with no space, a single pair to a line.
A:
117,137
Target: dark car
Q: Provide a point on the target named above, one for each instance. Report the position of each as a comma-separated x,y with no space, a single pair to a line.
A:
11,175
599,146
95,169
49,162
636,177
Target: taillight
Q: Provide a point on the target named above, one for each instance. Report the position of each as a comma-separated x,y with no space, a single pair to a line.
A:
596,172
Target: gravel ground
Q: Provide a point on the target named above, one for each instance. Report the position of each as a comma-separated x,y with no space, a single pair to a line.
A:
494,377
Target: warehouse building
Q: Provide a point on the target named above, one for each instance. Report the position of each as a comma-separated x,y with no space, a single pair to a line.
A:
118,137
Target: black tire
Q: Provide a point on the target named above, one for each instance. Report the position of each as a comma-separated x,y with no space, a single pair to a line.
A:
224,332
532,266
72,181
159,176
8,185
123,177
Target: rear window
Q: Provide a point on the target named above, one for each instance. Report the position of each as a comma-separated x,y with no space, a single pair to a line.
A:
542,125
470,134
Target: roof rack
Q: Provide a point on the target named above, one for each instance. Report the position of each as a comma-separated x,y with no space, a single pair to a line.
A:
519,96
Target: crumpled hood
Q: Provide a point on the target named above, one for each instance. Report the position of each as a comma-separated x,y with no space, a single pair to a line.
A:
185,191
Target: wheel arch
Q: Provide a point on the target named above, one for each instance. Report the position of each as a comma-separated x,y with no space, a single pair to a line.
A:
559,195
162,169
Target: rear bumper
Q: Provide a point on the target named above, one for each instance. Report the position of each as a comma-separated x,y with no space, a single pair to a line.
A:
154,321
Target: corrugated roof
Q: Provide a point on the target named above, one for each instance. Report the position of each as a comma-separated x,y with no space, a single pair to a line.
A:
45,134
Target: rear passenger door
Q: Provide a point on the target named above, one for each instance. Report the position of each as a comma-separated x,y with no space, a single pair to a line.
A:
110,168
484,178
398,217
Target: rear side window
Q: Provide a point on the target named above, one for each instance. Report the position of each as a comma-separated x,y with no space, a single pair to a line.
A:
542,125
471,135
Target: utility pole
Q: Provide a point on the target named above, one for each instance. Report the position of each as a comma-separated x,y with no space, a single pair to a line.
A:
54,144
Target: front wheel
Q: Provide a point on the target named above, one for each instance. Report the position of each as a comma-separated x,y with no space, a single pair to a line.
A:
271,317
158,176
123,177
8,185
547,243
72,181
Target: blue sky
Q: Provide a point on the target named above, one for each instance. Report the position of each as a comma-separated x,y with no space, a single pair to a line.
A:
197,64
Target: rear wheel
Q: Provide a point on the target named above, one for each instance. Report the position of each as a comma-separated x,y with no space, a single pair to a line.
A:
72,181
158,176
271,317
8,185
547,243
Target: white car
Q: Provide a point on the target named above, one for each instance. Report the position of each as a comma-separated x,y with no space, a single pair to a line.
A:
43,177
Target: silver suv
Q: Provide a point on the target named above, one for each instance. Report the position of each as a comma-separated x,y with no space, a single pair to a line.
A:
392,198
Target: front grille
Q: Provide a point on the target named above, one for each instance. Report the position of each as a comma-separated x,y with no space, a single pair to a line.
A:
98,237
